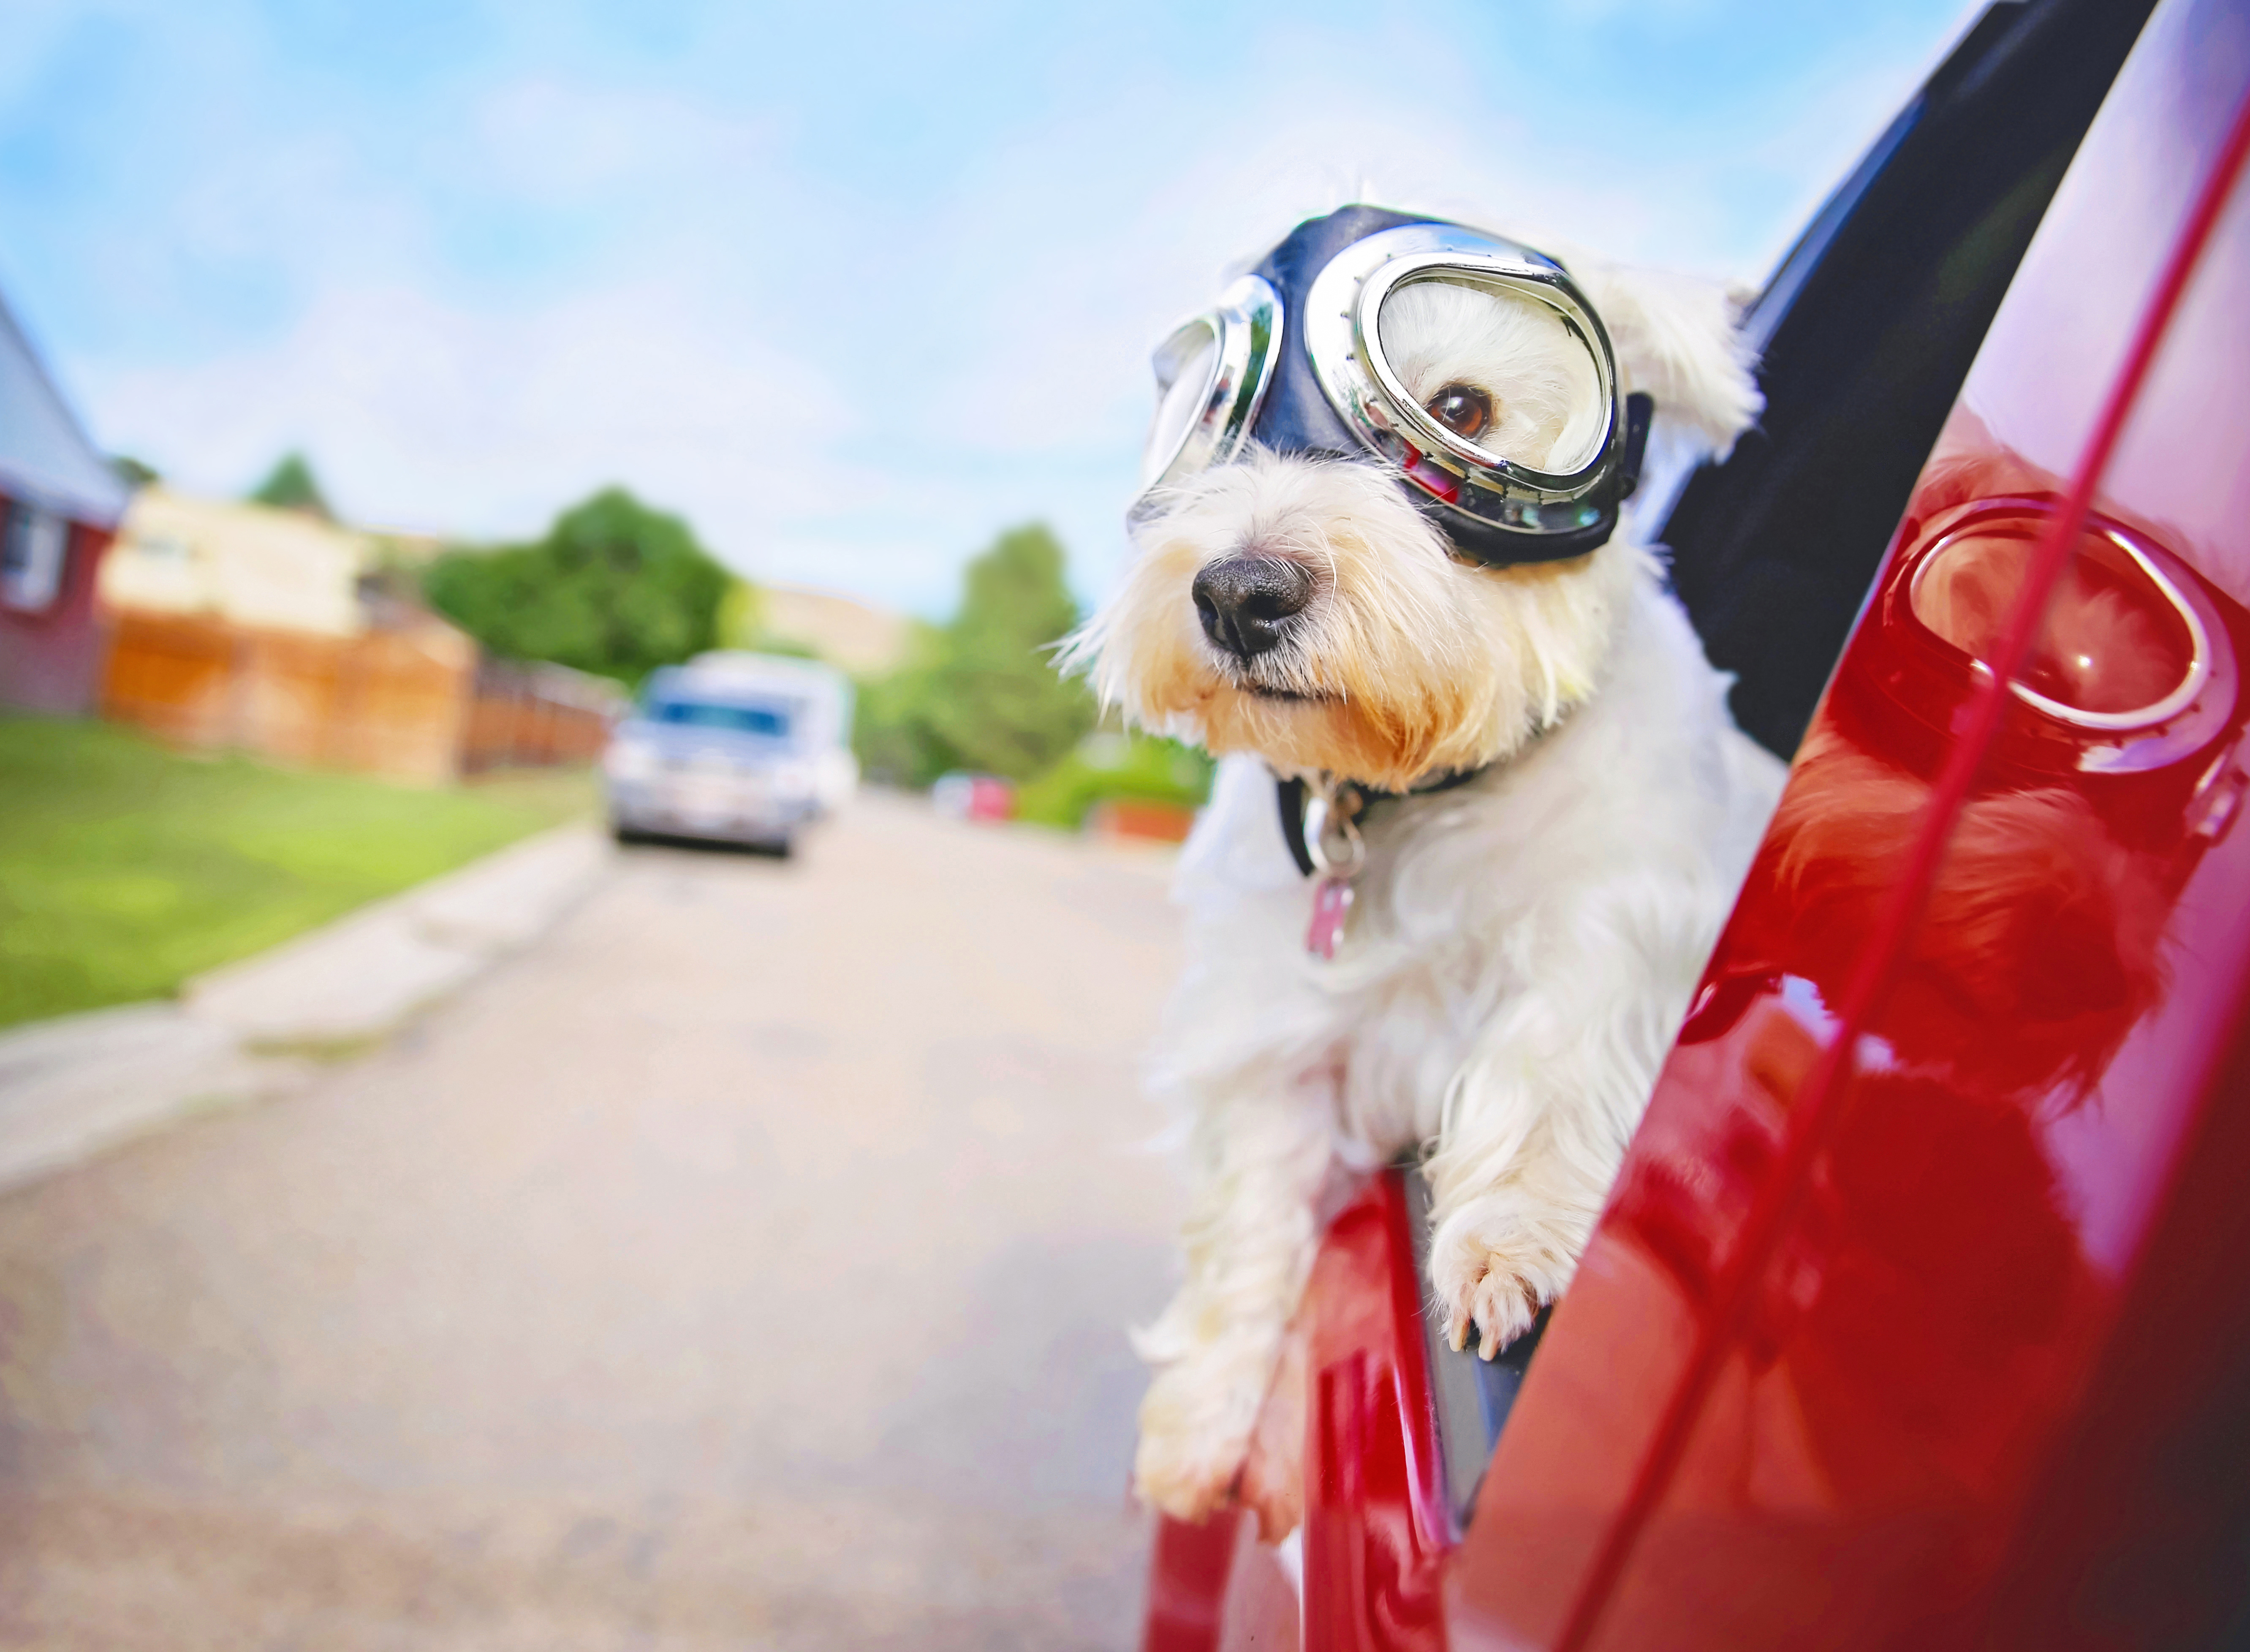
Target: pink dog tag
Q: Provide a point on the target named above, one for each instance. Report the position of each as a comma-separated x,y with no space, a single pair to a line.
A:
1331,906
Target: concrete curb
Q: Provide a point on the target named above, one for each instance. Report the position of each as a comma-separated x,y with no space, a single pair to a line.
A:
260,1028
362,975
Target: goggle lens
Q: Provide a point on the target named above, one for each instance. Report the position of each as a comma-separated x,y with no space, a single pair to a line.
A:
1187,371
1502,374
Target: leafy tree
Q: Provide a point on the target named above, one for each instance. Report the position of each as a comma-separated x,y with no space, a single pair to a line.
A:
135,473
979,692
614,587
891,729
290,487
742,618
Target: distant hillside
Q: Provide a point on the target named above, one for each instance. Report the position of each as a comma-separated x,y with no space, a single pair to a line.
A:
863,640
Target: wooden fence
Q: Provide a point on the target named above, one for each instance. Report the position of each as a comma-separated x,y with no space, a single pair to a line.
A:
409,703
537,715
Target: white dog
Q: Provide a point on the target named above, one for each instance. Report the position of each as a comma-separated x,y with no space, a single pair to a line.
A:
1521,944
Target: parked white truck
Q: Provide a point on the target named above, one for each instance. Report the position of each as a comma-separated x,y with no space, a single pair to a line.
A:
740,748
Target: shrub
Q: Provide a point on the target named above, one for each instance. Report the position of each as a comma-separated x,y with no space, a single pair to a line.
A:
1110,766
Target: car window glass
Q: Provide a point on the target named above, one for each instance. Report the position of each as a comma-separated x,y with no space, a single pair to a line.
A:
770,720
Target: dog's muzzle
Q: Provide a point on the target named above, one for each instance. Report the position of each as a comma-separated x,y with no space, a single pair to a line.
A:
1291,359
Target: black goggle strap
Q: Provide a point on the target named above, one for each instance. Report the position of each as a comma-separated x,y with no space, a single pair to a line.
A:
1640,408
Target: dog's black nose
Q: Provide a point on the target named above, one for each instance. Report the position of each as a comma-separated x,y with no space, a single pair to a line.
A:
1245,601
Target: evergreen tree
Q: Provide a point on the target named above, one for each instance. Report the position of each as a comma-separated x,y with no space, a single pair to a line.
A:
290,486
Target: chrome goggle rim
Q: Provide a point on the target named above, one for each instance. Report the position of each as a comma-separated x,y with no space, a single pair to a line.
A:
1247,323
1342,310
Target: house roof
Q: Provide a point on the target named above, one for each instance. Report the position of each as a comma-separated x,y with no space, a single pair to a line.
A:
45,455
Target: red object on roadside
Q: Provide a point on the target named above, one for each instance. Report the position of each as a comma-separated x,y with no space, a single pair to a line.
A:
1141,819
973,796
1919,1316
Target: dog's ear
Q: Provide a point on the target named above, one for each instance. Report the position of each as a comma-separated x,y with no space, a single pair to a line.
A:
1677,338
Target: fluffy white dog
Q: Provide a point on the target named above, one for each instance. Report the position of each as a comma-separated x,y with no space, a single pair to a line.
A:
1522,945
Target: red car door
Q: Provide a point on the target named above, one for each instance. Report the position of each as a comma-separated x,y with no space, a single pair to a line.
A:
1921,1315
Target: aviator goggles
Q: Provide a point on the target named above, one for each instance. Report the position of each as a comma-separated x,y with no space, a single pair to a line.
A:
1293,359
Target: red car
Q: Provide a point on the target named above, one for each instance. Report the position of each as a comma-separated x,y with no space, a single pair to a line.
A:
1920,1315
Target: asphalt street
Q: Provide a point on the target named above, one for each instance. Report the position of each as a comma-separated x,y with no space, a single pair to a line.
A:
745,1264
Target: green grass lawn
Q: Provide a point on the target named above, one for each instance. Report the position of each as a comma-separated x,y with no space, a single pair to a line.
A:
126,867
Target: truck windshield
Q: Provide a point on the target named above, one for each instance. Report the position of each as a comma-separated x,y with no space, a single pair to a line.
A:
737,717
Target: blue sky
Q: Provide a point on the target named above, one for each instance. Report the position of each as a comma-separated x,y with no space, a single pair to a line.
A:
851,289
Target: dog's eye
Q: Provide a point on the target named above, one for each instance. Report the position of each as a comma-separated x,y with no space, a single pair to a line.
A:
1462,408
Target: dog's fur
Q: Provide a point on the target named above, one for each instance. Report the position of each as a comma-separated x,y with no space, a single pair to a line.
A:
1523,946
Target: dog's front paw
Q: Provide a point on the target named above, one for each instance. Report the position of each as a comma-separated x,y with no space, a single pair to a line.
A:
1196,1424
1495,1265
1273,1483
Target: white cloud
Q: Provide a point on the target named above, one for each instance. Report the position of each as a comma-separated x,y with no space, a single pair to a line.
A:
549,141
560,277
421,413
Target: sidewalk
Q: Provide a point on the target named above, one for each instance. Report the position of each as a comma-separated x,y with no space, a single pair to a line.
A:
256,1029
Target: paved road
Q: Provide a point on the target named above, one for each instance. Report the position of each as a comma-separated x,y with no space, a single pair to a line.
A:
745,1266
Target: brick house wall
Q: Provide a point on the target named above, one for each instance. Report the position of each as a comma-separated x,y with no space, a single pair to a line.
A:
51,658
